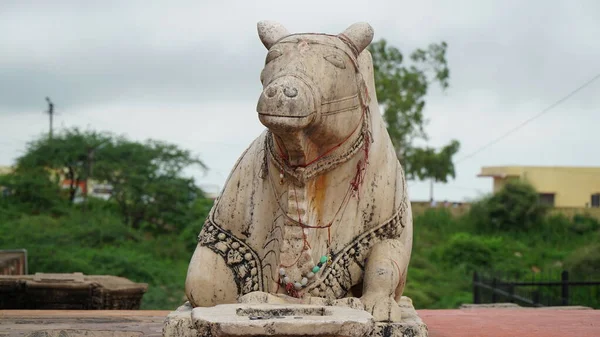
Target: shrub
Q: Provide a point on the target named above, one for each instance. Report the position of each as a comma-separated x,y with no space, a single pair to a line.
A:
436,218
515,207
469,252
584,223
585,261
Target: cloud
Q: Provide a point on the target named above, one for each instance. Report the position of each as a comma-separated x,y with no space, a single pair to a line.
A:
188,72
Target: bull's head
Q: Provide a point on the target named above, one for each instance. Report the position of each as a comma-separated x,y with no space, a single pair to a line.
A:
311,82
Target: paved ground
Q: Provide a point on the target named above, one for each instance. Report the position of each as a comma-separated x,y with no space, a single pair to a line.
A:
441,323
75,323
512,323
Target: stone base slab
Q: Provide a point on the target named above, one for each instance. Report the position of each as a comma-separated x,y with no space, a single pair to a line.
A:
237,320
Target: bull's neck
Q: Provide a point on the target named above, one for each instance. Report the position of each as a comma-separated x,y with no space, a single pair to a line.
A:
296,148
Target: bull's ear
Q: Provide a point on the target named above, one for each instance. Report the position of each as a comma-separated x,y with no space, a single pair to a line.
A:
271,32
361,35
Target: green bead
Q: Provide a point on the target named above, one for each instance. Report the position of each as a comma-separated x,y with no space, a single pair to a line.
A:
316,269
323,259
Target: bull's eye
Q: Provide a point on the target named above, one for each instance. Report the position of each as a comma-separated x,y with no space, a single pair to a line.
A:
336,61
273,54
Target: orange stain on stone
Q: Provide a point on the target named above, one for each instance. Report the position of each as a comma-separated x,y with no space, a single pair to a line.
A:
319,189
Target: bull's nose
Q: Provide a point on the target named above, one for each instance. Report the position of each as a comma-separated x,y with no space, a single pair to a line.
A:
290,92
271,92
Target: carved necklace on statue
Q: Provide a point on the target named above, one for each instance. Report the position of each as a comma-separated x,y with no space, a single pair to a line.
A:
329,160
291,286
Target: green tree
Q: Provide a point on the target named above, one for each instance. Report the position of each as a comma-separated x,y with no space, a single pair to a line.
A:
30,192
147,181
401,91
67,154
148,185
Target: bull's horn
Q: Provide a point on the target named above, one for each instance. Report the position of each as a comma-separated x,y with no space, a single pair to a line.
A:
361,35
271,32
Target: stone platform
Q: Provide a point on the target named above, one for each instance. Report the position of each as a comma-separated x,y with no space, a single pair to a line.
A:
493,322
237,320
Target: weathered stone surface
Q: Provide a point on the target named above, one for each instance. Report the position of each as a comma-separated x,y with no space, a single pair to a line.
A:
283,320
317,206
70,291
229,320
411,324
54,278
525,322
179,323
85,323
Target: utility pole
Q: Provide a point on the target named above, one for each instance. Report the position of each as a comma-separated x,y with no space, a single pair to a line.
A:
50,113
431,190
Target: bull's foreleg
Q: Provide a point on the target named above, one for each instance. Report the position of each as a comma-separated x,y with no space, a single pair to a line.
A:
384,280
209,281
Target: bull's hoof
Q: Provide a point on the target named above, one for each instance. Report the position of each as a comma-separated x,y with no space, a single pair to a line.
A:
383,308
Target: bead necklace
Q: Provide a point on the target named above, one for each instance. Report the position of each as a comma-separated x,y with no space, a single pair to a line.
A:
289,285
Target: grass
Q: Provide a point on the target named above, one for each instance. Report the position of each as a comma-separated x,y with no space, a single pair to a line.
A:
98,244
446,250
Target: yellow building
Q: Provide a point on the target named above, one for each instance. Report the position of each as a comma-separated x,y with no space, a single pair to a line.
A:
558,186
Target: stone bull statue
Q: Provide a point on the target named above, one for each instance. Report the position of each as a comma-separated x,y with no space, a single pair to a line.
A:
317,207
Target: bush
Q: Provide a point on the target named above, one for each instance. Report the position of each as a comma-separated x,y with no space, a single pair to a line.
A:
470,252
436,218
515,207
584,223
585,261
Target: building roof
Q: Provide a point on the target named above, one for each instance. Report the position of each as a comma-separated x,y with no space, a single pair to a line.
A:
517,171
500,171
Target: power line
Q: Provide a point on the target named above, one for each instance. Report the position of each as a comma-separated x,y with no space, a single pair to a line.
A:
513,130
552,106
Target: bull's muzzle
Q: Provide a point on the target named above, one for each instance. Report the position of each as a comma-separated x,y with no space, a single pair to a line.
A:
287,102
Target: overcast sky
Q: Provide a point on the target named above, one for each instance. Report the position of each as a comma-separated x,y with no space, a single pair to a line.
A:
188,72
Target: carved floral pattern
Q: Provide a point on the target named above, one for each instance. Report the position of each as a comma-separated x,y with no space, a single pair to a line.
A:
335,281
239,257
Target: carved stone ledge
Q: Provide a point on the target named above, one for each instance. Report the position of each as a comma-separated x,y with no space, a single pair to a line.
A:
240,320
